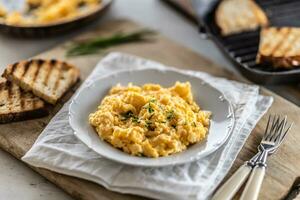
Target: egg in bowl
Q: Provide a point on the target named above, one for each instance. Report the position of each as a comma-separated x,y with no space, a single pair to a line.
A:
150,120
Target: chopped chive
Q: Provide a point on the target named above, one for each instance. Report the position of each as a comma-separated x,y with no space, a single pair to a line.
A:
129,114
149,108
149,125
153,100
151,116
135,119
170,115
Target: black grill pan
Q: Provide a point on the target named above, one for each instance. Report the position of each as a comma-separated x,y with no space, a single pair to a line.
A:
242,48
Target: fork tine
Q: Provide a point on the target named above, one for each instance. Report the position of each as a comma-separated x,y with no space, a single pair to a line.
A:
275,130
266,130
274,126
280,128
275,120
284,134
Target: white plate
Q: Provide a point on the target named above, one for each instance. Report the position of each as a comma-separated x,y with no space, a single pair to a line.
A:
209,98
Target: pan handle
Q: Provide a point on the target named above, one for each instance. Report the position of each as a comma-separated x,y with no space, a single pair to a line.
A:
202,9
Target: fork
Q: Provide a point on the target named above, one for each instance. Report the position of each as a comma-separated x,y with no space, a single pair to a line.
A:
268,146
274,134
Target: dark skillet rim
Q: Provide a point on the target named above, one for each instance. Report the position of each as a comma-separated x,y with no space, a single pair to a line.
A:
102,6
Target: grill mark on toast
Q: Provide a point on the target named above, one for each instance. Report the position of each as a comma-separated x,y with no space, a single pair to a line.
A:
39,71
52,64
39,62
57,81
8,86
9,94
26,67
34,104
36,73
279,43
2,92
286,51
263,44
13,67
286,45
3,86
290,47
22,103
19,105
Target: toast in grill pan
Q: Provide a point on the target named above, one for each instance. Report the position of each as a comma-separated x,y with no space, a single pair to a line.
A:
47,79
235,16
279,47
17,104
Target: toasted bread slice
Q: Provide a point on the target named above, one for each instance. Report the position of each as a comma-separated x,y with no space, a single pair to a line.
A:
47,79
235,16
279,47
17,104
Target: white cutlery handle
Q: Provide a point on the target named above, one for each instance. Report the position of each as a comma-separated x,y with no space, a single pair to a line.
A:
232,185
253,185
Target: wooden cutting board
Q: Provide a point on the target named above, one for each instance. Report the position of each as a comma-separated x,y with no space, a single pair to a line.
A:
284,166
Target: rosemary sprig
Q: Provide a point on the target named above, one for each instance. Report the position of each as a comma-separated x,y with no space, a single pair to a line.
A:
94,45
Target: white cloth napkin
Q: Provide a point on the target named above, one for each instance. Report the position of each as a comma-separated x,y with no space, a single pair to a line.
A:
57,149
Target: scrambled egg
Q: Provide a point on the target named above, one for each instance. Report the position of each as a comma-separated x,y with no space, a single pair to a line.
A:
45,11
150,120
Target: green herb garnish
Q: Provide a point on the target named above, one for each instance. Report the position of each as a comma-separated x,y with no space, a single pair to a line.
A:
194,124
129,114
149,108
170,115
153,100
149,125
135,119
94,45
151,116
126,115
160,107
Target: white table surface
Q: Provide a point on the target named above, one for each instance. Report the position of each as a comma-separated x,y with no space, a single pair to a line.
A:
17,181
